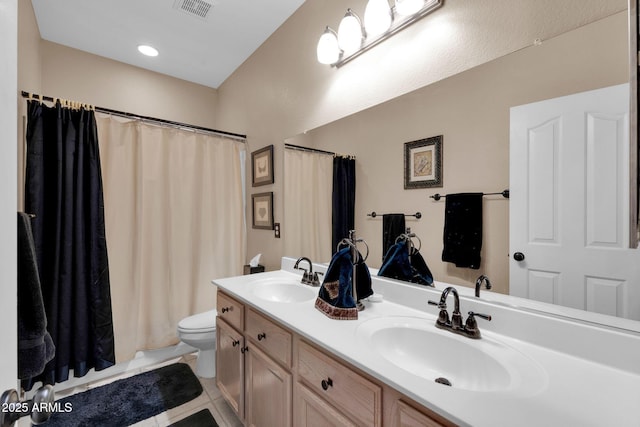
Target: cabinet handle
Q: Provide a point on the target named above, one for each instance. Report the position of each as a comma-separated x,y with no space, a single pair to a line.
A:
235,343
226,309
326,384
243,350
262,336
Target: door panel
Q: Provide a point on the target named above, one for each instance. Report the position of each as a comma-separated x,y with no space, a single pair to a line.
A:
570,201
8,190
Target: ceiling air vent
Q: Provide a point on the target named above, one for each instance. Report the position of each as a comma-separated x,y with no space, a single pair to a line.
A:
198,8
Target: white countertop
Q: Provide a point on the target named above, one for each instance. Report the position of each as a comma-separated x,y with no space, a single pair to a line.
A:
585,375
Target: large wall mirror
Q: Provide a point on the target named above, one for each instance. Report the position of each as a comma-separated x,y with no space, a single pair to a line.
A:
471,110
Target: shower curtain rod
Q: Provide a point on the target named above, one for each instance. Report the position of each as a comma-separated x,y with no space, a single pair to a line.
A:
230,135
316,150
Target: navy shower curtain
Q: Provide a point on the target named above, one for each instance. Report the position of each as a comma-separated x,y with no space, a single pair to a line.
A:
343,198
63,189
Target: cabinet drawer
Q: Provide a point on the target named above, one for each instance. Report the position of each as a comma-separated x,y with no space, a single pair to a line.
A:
351,393
231,311
271,338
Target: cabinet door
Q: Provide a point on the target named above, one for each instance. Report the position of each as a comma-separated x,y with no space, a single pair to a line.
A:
268,391
310,410
230,366
410,417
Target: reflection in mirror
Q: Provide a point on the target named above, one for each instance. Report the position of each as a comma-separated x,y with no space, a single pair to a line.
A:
471,111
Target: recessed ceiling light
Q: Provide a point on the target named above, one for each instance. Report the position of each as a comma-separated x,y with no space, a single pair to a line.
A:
147,50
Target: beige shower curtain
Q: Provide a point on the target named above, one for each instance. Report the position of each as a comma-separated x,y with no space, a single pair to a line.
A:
174,220
308,184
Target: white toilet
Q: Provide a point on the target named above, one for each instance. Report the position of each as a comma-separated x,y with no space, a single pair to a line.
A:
199,331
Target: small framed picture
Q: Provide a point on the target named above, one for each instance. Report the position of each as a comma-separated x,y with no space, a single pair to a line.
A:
423,163
262,166
262,208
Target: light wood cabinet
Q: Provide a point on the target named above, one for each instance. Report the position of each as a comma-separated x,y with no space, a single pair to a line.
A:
407,416
253,363
272,377
230,365
313,411
268,391
355,396
271,338
231,311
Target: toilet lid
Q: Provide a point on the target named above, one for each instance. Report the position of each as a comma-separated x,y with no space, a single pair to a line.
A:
206,320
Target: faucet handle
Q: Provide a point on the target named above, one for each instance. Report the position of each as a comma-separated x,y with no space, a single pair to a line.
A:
440,305
305,275
443,316
483,316
471,326
315,281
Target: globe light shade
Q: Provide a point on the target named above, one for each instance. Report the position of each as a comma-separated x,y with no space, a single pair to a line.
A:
350,33
328,50
408,7
377,17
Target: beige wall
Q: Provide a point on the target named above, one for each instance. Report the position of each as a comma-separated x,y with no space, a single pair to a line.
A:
471,111
281,90
54,70
80,76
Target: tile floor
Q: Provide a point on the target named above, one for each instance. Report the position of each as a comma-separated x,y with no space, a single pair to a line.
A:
210,398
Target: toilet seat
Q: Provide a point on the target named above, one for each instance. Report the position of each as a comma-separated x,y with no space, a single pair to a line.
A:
201,322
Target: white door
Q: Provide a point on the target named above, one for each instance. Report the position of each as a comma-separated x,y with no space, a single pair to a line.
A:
8,190
569,203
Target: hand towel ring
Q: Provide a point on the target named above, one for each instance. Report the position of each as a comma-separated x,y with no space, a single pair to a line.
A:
348,242
410,237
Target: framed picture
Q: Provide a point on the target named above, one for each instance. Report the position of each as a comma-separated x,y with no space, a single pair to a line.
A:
423,163
262,208
262,166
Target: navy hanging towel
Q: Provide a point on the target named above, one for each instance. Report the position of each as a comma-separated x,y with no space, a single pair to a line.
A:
463,230
335,298
393,225
404,262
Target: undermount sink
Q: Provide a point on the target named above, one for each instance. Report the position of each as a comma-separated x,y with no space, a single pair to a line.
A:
283,290
415,345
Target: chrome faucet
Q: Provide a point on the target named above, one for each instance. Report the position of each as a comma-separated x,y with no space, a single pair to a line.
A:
308,277
479,281
470,328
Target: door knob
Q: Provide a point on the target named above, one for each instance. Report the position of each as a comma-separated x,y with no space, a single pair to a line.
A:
39,408
518,256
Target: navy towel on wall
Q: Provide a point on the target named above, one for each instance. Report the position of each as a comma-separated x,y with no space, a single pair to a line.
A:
463,230
393,225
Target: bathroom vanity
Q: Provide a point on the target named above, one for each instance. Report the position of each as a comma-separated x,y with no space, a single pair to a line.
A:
282,362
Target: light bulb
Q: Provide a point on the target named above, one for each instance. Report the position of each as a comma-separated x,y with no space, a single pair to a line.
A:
377,17
408,7
147,50
328,50
350,33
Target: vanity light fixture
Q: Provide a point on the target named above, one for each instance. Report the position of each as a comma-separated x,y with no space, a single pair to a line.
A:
408,7
350,33
328,50
377,17
381,21
147,50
